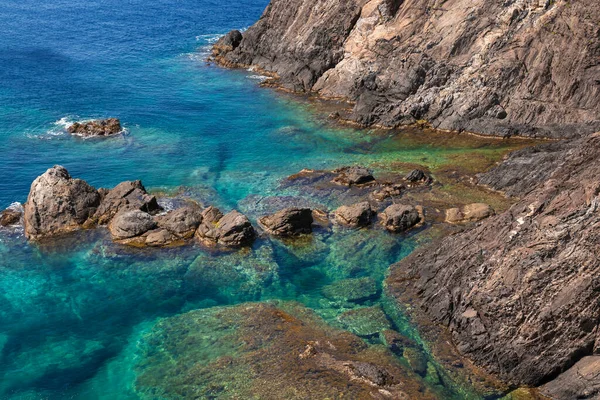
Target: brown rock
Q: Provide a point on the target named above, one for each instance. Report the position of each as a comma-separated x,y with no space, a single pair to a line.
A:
400,217
230,230
58,203
288,222
10,217
356,215
104,127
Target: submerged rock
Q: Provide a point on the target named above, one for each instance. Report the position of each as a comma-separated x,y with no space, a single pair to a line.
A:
354,175
366,321
387,191
58,203
230,230
288,222
469,213
265,350
356,290
103,127
400,217
356,215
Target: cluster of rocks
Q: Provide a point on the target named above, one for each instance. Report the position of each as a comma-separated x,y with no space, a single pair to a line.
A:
57,204
102,127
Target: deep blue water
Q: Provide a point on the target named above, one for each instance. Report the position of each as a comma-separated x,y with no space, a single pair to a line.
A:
71,312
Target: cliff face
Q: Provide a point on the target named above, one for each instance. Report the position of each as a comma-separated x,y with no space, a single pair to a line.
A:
520,292
529,67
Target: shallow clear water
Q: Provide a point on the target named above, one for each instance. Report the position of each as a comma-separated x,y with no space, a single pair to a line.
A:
71,312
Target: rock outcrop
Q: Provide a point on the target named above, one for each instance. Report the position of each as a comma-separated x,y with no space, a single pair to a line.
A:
521,67
58,203
519,292
103,127
288,222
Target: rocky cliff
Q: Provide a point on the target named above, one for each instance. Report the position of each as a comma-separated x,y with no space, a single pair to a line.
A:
528,67
520,292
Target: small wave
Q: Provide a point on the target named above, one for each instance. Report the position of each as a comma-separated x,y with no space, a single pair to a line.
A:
260,78
16,206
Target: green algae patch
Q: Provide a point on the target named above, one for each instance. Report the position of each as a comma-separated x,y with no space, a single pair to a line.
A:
272,350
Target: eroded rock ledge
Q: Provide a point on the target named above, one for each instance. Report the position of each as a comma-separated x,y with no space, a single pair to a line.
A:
527,67
520,292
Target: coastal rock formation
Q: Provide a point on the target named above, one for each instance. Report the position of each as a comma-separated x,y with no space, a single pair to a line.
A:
182,222
272,350
230,230
519,292
103,127
58,203
400,217
469,213
523,67
387,191
288,222
356,215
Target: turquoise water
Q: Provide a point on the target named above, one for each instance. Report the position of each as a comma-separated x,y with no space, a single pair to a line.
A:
71,312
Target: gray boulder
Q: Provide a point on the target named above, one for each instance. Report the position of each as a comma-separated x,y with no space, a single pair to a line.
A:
130,224
58,203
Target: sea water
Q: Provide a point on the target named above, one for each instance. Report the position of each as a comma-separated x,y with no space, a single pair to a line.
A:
72,312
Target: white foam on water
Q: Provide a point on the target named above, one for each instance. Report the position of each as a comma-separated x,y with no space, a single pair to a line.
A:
260,78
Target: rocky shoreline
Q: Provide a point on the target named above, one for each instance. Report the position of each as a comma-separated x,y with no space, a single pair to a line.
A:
517,292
